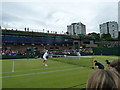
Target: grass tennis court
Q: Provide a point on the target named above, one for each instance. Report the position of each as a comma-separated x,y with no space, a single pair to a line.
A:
62,72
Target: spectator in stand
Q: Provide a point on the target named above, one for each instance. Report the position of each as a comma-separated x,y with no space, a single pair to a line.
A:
115,66
103,80
3,53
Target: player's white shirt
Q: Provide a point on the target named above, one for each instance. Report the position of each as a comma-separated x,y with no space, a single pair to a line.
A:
45,55
78,54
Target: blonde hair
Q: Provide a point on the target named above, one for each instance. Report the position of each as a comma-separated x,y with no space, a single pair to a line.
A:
103,80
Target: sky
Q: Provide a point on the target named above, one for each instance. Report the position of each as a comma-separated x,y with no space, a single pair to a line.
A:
55,15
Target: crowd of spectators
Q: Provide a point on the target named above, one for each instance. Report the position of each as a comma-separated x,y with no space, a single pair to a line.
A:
11,52
32,52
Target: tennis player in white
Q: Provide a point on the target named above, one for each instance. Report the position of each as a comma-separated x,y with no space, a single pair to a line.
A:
45,58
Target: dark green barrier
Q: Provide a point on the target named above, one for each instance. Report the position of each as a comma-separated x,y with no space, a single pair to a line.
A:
84,54
17,56
107,51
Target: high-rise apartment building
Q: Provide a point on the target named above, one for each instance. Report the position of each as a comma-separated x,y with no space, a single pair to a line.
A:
109,28
76,28
119,15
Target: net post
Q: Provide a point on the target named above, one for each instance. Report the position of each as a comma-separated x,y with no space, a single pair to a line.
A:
13,66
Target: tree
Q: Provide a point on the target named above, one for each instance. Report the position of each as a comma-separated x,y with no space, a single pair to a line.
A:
106,37
96,36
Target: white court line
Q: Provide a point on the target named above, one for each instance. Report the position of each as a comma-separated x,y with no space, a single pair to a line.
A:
37,69
19,60
39,73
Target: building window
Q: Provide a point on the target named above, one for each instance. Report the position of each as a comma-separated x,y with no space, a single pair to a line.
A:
113,35
112,25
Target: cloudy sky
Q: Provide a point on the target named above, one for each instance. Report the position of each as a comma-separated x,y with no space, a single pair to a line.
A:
55,15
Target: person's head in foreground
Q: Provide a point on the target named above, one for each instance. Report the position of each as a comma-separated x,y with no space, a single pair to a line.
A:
116,65
103,80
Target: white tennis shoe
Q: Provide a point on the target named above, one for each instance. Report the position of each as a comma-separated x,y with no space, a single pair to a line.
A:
46,65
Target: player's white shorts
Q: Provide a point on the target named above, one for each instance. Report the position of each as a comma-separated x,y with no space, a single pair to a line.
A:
45,58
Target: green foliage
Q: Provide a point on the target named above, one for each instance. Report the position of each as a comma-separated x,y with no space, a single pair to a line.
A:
106,37
96,36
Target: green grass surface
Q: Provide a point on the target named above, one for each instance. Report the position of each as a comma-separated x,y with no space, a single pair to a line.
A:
63,72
